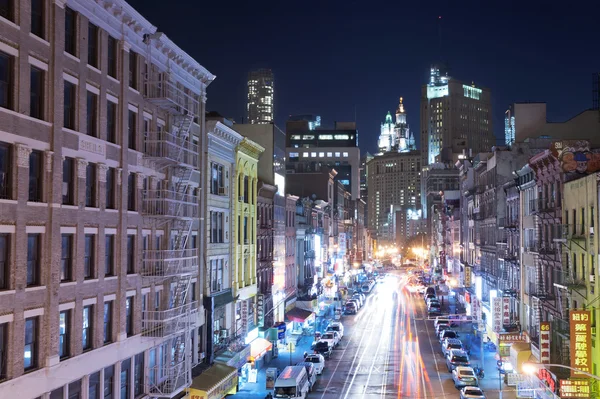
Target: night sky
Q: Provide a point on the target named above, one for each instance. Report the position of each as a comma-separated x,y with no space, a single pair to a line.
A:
350,58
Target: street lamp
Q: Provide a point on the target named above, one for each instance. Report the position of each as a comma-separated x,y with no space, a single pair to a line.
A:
532,368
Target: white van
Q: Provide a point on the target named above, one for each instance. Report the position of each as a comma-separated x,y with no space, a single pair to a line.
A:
368,287
292,383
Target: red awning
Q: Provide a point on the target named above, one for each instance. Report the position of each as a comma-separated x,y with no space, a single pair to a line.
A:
298,315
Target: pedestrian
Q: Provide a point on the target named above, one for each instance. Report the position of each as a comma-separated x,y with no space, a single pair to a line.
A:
305,354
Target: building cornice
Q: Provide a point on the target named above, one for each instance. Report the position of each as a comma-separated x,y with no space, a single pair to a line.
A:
225,133
123,22
250,148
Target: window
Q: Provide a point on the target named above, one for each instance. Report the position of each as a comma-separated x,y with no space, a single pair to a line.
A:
75,390
35,176
6,9
5,171
66,264
92,114
6,79
110,188
90,185
36,93
132,130
152,367
58,393
216,275
3,350
129,316
94,386
130,254
33,259
4,260
112,56
246,230
216,227
109,255
131,200
109,381
107,337
345,155
89,258
138,375
87,327
70,31
111,122
246,187
68,186
133,70
69,105
37,18
93,45
193,291
125,370
30,349
217,183
64,333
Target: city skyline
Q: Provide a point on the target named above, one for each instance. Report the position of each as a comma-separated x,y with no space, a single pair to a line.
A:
486,58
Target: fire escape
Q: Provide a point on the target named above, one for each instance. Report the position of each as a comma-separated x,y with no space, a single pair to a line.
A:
171,206
264,298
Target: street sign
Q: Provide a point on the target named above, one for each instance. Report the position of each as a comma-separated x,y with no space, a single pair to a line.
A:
281,331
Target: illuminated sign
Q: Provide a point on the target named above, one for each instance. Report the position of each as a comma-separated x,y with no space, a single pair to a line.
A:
497,314
581,345
437,91
545,342
472,92
511,338
547,378
505,311
574,389
467,279
412,214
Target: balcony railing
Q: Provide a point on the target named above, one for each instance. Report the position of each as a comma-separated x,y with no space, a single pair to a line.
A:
167,263
169,379
169,203
165,323
165,147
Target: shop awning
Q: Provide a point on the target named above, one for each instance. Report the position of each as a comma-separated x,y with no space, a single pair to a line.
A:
298,315
215,382
259,346
520,352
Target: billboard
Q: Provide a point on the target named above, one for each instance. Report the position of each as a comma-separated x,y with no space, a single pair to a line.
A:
574,388
581,341
576,157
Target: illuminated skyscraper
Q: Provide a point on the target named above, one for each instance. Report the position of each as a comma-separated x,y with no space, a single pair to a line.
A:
260,96
455,117
396,136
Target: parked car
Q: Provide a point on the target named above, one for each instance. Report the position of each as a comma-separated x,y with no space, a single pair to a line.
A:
464,376
323,348
451,343
447,334
311,372
434,310
457,358
332,337
433,302
350,308
318,360
337,327
471,393
429,291
429,296
441,327
359,299
356,302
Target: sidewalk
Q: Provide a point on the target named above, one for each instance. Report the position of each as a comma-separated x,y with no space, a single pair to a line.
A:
285,358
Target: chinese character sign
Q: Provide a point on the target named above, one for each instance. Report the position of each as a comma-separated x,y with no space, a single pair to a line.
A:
545,342
574,389
497,314
581,346
505,311
467,279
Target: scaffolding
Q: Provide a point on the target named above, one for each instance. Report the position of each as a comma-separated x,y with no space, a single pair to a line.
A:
173,207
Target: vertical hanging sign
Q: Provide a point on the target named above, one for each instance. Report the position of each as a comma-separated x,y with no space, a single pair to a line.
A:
581,345
497,314
545,342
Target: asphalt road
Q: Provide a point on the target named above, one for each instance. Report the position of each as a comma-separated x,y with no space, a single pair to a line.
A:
388,351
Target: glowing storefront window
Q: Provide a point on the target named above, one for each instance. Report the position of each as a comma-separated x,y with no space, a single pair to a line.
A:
313,154
337,154
325,137
342,137
345,155
294,155
305,155
329,154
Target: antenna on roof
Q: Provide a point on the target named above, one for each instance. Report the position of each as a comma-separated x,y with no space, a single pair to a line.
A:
440,36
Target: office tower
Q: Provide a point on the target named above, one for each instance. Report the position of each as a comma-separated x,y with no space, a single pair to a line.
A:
311,150
100,211
455,118
260,107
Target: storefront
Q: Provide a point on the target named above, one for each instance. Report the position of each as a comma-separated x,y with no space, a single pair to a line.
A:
238,360
299,319
260,352
218,381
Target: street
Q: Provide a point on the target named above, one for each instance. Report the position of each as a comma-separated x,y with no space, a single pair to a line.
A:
390,351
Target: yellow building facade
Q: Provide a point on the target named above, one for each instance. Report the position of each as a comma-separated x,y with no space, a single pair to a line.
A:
244,235
580,254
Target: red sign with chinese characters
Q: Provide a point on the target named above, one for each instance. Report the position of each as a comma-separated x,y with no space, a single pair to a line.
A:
545,342
505,311
547,378
581,345
574,389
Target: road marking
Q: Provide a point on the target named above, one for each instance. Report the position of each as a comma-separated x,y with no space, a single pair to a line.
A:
383,329
343,353
433,352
